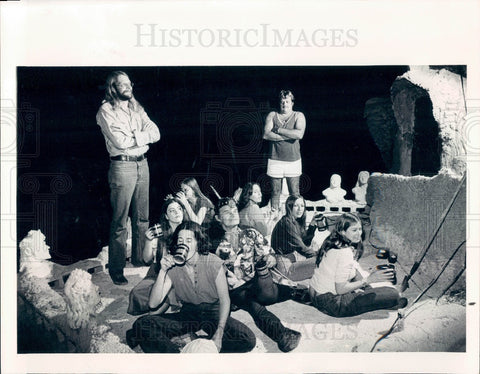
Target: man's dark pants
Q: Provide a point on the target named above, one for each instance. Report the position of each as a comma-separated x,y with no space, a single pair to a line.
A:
129,192
254,295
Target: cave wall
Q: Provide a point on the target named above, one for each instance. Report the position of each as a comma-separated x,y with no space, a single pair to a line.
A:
391,122
447,93
404,213
404,97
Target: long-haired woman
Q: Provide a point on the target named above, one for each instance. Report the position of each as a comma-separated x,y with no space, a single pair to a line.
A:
157,241
292,241
338,286
199,208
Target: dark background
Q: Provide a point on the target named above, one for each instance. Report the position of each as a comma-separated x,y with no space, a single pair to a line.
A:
211,122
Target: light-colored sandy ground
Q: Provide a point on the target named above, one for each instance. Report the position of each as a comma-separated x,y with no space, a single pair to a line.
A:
427,326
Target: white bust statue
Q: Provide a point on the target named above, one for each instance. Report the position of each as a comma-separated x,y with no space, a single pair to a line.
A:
335,193
360,189
82,298
34,255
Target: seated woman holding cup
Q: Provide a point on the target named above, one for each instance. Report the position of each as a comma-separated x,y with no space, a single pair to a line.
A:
294,243
339,286
158,237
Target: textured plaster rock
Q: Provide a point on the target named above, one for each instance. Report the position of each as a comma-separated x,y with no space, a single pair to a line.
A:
447,93
404,97
37,291
394,131
405,212
82,298
34,255
104,341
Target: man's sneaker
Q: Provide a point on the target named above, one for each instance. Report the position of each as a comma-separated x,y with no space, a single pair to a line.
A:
289,340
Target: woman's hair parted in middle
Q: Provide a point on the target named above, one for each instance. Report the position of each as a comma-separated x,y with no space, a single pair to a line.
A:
289,203
203,244
163,211
337,240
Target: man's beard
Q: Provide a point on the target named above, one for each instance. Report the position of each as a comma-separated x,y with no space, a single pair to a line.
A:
125,96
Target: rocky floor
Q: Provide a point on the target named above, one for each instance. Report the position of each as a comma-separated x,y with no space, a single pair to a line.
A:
427,326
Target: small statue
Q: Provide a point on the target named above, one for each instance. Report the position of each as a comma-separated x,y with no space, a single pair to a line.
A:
82,298
335,193
34,255
103,256
360,189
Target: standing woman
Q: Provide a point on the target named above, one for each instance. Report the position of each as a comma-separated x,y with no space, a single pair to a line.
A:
198,207
338,287
250,213
200,283
293,243
156,244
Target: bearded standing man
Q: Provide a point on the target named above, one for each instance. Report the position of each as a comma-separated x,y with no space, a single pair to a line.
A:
127,130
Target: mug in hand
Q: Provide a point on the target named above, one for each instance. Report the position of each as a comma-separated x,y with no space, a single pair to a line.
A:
180,254
154,232
321,222
392,268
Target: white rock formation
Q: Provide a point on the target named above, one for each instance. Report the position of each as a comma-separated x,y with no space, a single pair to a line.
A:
447,93
34,255
82,298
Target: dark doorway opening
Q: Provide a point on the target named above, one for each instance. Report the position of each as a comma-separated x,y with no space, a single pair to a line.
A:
427,145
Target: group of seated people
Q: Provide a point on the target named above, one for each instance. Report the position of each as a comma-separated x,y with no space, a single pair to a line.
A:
206,261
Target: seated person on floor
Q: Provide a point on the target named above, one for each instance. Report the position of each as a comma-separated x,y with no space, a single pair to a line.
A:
293,244
250,213
198,207
335,193
158,237
338,287
198,278
248,258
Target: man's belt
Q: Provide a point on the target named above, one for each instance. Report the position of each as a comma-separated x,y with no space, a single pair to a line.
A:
128,158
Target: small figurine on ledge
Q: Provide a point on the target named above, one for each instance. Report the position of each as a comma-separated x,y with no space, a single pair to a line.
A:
335,193
360,189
